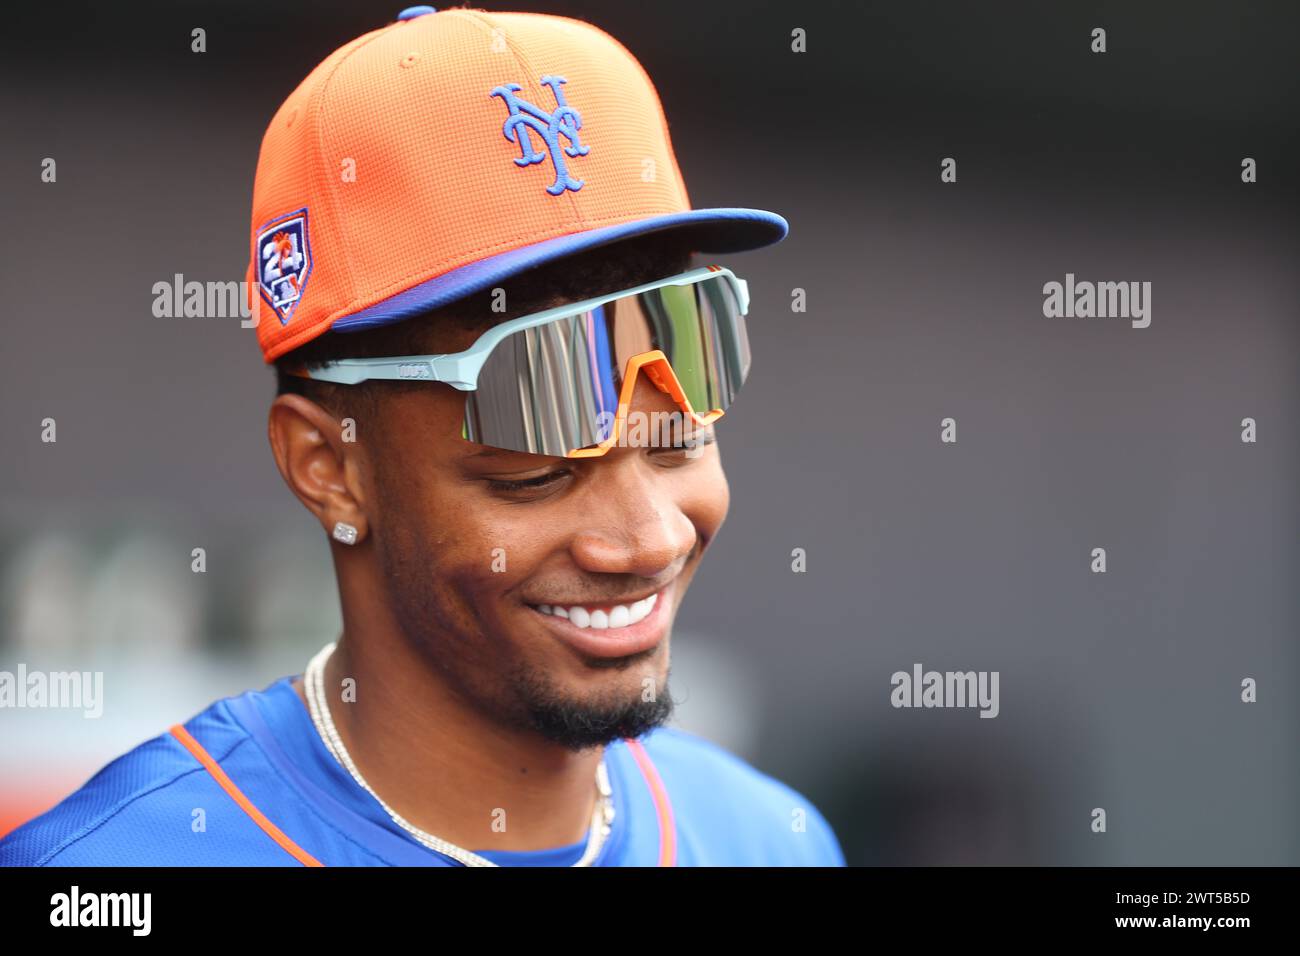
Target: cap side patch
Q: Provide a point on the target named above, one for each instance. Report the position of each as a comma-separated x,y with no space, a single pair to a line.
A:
284,262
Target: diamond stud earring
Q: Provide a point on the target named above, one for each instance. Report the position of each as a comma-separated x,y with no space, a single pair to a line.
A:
345,532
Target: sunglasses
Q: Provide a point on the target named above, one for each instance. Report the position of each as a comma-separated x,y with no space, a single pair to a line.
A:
560,382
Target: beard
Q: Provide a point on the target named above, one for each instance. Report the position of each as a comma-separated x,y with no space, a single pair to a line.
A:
582,723
441,623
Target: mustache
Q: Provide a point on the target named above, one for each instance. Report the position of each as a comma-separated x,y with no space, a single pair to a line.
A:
610,588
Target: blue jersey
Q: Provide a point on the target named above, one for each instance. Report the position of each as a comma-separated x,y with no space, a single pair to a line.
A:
249,782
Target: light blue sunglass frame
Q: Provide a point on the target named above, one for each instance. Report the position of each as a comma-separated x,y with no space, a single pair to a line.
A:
460,370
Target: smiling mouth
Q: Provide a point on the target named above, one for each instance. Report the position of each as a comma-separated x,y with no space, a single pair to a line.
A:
602,617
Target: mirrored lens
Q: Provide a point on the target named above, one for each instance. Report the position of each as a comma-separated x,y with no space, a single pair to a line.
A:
555,387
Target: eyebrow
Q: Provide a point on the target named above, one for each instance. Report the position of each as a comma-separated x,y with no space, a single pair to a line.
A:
487,451
490,452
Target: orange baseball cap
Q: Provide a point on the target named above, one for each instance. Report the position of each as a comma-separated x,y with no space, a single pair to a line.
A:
445,152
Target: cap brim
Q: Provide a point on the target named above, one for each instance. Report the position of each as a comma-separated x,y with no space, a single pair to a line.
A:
702,230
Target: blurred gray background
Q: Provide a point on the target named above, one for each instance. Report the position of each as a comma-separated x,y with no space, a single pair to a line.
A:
924,301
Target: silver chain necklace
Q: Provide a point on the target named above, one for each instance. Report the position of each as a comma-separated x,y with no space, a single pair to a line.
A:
314,686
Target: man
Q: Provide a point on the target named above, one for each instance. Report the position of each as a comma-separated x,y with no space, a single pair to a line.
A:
474,297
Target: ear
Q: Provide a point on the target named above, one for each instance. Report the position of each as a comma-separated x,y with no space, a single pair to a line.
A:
316,463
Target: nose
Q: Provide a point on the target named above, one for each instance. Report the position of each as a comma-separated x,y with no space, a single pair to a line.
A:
635,517
636,528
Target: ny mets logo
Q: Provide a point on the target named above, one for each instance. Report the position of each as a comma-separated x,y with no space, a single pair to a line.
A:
526,119
284,262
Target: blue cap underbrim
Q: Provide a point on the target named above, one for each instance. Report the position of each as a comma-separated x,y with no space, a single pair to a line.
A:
703,230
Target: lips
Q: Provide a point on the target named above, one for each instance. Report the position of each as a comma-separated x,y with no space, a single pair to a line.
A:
610,630
603,616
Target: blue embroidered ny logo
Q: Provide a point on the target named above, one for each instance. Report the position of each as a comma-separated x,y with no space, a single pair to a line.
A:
526,119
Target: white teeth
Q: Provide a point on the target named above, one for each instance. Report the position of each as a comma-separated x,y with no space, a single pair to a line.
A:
621,615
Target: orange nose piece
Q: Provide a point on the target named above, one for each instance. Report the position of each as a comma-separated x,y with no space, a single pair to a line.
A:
655,365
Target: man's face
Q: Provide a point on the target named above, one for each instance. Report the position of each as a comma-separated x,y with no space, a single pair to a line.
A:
476,543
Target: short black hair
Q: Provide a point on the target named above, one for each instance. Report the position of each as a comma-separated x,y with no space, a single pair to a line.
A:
579,276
